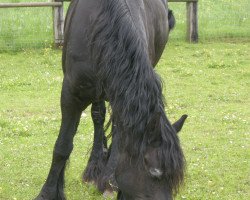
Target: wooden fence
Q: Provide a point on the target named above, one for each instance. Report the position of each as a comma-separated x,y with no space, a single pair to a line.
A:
58,18
192,19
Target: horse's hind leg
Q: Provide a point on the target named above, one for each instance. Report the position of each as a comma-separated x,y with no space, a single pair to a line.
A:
71,108
98,157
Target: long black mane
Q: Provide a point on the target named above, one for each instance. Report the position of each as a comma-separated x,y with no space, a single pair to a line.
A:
126,75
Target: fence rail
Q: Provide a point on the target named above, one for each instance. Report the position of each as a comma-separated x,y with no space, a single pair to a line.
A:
182,0
31,4
58,16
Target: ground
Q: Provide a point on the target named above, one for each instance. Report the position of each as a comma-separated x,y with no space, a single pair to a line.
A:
208,81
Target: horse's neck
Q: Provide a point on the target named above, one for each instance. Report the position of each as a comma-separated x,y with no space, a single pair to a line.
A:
123,65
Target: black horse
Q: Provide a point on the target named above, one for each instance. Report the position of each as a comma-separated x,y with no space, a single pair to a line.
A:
111,47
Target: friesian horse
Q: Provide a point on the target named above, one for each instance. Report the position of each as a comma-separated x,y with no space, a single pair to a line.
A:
110,49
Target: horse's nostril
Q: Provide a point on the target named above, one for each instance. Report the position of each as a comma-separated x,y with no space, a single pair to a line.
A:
155,172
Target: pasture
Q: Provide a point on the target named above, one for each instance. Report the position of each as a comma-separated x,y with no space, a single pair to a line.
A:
208,81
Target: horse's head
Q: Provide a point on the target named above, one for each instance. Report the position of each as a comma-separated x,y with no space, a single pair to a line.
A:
160,171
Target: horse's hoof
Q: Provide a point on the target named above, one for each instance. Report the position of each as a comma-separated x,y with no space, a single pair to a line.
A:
40,197
46,196
108,194
88,182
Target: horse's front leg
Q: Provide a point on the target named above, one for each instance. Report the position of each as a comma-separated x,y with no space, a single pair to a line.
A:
106,182
71,108
120,196
98,157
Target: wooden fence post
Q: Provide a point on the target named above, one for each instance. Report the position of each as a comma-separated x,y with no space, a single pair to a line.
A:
58,23
192,21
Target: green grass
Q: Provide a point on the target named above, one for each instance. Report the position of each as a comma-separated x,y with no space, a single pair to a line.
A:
22,28
208,81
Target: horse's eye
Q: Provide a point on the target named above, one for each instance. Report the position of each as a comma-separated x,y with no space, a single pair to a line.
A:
155,143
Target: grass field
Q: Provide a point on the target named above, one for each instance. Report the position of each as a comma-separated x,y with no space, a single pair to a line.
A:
208,81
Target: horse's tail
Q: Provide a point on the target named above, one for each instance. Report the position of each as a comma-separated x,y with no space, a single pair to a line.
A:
171,20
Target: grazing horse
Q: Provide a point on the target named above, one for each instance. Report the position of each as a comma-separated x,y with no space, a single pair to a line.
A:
111,47
101,166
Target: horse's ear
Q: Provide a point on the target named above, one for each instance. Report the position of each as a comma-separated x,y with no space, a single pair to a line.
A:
178,124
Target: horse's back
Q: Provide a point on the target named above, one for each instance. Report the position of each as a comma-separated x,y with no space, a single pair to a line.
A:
149,18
